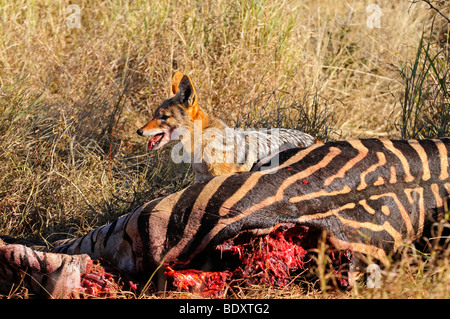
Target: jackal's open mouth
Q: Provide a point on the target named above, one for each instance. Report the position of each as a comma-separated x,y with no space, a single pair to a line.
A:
159,140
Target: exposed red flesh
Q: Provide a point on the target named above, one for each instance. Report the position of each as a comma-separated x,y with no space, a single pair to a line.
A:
204,282
96,282
269,259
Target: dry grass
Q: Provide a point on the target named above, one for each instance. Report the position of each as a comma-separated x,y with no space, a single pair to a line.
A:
72,98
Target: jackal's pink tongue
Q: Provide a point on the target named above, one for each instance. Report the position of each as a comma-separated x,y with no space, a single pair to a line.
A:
154,140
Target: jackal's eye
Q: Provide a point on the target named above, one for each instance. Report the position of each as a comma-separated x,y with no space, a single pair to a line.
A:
163,117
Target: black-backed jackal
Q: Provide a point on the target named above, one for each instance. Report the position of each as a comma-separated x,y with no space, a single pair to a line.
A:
209,144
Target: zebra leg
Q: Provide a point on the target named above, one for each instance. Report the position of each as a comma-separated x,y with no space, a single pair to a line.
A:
49,274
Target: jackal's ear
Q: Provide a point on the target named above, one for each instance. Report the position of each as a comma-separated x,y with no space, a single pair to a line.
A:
176,82
187,92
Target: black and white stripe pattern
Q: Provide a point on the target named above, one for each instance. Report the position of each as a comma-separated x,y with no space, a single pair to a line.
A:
369,195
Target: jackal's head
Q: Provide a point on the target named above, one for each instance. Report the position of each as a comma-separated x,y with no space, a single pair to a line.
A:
178,112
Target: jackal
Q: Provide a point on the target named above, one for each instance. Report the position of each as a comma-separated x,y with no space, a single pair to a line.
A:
211,146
